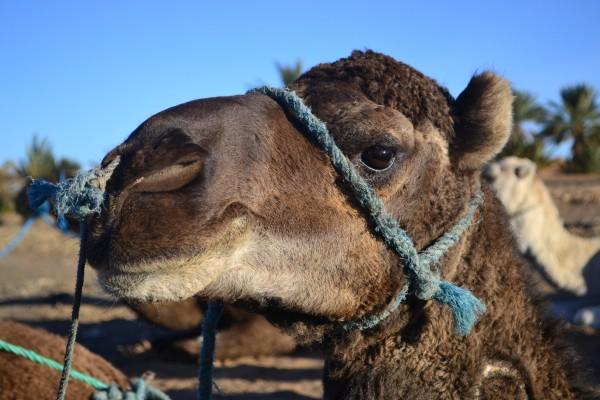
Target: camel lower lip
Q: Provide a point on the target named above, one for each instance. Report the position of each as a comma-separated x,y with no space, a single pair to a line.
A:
122,284
149,285
155,266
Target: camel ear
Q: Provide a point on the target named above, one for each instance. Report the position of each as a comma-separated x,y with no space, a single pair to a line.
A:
525,169
482,121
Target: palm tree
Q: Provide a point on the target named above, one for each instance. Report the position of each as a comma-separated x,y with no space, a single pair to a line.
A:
526,109
289,73
7,183
522,143
40,163
576,117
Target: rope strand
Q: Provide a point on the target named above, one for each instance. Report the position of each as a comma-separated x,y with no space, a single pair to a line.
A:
64,378
48,362
207,352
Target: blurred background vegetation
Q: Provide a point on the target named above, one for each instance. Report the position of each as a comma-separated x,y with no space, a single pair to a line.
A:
39,162
575,119
536,127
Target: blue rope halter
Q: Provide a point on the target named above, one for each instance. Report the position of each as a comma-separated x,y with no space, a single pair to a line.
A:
424,281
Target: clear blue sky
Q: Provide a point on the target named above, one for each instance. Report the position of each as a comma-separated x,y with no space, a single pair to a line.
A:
84,74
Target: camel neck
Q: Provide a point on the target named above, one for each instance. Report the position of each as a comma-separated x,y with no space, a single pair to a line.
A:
414,353
374,363
541,233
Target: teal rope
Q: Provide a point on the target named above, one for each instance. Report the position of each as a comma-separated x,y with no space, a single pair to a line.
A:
425,281
207,353
104,391
18,237
71,196
140,391
40,212
64,379
48,362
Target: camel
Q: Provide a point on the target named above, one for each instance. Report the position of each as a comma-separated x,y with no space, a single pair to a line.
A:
241,333
22,379
571,262
226,199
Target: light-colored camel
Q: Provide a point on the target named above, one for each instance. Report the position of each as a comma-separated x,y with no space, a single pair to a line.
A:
226,198
571,262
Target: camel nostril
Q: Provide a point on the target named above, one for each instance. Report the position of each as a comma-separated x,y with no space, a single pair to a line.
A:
111,156
169,178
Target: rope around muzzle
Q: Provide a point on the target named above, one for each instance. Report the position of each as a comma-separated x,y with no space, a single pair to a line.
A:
81,196
424,276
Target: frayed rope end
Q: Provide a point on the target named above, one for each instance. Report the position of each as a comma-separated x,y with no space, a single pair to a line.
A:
72,196
466,308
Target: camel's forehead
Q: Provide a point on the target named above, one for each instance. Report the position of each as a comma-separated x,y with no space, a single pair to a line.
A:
511,162
384,81
239,118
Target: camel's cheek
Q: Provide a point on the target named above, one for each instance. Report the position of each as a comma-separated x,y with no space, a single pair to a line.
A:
515,197
308,274
508,192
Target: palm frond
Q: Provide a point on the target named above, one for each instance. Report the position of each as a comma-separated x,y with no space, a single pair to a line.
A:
289,73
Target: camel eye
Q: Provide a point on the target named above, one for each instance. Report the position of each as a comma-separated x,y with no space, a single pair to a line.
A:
520,172
378,157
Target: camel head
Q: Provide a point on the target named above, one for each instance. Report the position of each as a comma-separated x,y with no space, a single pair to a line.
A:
513,180
226,198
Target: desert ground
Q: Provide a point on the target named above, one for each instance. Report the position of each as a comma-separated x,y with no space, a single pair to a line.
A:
36,285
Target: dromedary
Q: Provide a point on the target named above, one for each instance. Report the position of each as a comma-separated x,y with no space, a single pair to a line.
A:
226,198
240,333
571,262
22,379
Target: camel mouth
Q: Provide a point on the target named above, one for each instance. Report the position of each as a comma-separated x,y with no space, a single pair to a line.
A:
148,282
98,244
130,271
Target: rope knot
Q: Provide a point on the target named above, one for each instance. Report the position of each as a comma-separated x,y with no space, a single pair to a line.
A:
78,196
140,390
465,307
426,288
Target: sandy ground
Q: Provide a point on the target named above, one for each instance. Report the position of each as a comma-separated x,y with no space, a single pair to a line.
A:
36,285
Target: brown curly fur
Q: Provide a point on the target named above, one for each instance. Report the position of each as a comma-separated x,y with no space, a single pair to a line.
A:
21,379
388,82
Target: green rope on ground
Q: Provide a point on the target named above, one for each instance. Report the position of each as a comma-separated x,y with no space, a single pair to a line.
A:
48,362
